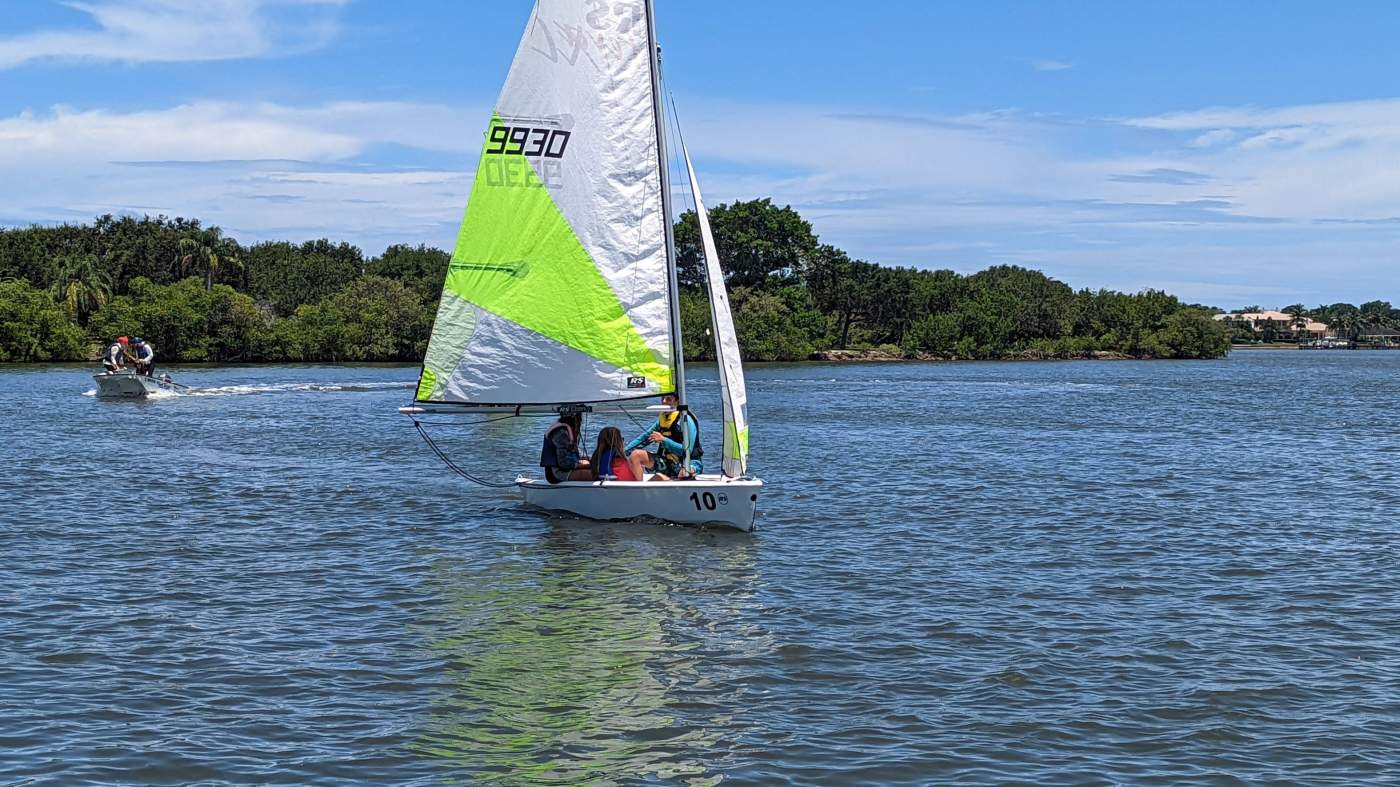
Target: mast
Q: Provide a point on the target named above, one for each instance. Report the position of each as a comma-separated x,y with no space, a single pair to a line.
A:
672,282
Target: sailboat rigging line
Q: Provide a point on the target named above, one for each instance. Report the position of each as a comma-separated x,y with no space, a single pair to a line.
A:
633,419
452,465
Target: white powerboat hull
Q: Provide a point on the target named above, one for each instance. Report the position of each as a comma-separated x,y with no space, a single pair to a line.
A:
707,500
126,385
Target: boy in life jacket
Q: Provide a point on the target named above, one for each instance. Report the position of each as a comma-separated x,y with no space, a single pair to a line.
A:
114,359
559,456
672,436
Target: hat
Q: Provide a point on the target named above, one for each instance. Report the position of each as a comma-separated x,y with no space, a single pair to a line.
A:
122,340
138,340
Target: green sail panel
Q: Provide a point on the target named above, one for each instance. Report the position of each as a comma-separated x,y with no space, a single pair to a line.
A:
559,286
518,258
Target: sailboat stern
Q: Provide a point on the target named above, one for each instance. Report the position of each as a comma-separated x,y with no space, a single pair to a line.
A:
707,500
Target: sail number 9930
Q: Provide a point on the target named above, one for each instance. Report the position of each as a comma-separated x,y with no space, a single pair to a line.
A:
525,141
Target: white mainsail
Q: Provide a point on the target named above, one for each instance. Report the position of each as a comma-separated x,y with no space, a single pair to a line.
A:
734,396
558,288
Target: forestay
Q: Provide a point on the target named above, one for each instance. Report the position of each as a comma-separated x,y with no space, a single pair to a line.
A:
733,395
557,291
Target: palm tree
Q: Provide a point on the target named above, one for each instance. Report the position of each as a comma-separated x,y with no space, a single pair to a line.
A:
81,286
1346,325
1298,324
212,250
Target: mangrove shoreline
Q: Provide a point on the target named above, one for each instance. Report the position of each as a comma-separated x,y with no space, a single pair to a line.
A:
200,296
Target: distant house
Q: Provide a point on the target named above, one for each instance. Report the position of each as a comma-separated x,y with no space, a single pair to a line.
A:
1374,334
1281,326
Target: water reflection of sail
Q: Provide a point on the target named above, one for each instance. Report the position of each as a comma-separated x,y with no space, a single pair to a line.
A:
591,657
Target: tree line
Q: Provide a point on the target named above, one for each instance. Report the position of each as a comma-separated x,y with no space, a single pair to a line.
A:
201,296
794,296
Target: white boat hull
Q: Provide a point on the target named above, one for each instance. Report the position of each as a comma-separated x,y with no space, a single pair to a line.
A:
708,500
126,385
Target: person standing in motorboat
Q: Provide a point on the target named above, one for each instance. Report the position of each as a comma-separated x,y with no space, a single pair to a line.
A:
145,357
114,359
559,456
673,437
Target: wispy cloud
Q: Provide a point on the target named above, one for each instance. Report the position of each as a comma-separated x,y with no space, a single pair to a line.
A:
142,31
1276,196
1051,65
221,131
1176,177
259,170
1308,162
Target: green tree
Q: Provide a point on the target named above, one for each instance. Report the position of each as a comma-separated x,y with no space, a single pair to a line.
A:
1343,318
1189,334
186,322
1298,319
80,285
372,319
754,240
696,333
935,333
35,328
764,324
285,276
419,267
839,287
209,250
1037,305
1376,314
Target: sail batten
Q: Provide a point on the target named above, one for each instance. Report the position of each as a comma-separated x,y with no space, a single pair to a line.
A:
558,289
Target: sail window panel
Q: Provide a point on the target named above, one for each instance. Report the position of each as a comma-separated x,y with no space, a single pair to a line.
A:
509,364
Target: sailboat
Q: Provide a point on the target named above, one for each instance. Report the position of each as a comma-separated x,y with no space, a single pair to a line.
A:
561,295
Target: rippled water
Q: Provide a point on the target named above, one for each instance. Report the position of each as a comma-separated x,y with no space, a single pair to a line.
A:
1052,573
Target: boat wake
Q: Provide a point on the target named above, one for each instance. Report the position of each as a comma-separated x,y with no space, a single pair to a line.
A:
164,393
244,390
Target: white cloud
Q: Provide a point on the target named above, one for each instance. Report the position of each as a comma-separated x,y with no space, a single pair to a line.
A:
1213,137
140,31
1216,201
259,170
1299,163
1051,65
1372,114
217,131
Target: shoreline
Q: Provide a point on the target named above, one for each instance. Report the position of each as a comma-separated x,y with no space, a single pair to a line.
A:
884,356
820,356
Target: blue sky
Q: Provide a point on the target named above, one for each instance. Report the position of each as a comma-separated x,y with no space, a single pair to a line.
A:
1232,154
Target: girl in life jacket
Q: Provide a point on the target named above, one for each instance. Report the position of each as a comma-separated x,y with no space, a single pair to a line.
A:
559,455
610,458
